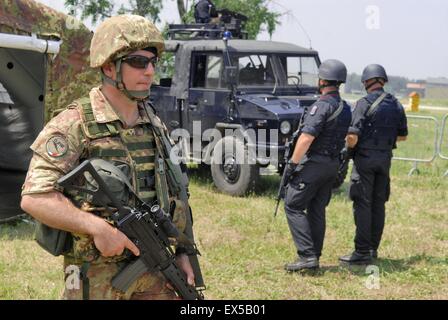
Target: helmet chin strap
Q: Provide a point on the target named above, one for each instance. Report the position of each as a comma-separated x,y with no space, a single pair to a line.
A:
373,83
134,95
322,86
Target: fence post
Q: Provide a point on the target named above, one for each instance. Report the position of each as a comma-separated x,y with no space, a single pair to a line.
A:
442,135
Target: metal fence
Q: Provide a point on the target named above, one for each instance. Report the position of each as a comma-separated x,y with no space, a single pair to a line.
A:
422,144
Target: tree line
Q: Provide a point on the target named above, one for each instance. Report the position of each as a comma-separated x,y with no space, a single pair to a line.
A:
260,17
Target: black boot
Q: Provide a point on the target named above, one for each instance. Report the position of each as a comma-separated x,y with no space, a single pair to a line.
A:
303,263
374,253
357,258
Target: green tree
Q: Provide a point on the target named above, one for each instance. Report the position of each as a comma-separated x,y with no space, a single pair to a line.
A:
260,18
101,9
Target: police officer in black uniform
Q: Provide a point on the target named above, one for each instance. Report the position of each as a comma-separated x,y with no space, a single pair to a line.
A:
314,166
204,10
378,122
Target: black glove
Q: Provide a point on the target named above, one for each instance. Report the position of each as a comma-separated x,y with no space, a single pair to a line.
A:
343,154
289,170
346,154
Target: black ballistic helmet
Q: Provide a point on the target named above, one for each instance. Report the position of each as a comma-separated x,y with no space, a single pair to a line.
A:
373,71
333,70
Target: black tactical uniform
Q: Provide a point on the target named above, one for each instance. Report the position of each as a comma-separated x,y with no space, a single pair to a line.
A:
309,189
377,128
203,11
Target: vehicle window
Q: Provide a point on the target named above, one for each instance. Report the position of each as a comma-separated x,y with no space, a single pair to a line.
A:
165,70
255,70
213,72
301,70
207,71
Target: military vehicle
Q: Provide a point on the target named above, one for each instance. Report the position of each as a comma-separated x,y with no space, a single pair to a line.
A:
236,84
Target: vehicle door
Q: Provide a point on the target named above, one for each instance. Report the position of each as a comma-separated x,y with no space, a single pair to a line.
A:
208,94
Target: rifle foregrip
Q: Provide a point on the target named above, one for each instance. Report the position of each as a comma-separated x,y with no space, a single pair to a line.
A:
185,291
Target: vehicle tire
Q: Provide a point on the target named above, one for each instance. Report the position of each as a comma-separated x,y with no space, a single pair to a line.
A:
342,174
228,175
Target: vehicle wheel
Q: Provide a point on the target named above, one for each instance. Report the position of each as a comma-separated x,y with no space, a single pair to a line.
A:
342,173
229,175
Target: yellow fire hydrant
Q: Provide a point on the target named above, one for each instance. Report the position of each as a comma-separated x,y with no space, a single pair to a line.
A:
414,101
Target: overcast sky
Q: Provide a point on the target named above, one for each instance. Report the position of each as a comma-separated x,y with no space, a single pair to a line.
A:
409,37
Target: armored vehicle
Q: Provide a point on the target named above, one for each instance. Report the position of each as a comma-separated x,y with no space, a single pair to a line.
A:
247,94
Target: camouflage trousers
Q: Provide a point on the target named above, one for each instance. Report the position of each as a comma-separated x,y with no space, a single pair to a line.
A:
150,286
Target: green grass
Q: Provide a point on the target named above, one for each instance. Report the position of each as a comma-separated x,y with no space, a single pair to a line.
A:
244,247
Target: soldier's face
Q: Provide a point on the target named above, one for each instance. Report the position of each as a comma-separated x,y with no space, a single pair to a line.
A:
137,71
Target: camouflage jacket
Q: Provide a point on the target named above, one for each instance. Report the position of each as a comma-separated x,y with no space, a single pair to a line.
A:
65,142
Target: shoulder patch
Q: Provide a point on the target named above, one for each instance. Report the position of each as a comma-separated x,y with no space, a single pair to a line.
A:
56,146
313,110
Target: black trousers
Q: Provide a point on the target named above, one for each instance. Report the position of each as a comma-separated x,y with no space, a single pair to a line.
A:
370,190
308,194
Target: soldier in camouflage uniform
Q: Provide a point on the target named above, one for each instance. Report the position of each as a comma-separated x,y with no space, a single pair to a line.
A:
113,124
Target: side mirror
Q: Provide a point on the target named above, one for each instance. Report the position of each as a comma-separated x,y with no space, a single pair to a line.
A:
230,75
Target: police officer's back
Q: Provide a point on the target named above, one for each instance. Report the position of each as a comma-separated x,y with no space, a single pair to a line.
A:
314,165
378,122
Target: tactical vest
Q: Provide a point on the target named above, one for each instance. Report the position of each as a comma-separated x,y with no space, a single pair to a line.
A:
381,128
331,140
154,176
111,142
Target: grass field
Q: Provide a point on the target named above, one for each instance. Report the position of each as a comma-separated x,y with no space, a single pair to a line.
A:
244,247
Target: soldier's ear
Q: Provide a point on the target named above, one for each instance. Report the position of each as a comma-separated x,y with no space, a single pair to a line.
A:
109,70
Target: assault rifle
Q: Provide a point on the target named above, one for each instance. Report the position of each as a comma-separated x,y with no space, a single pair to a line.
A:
147,226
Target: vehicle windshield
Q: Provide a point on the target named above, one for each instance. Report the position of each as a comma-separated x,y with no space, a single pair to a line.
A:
270,70
255,70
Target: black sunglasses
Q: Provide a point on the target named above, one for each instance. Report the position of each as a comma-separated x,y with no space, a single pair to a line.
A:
140,62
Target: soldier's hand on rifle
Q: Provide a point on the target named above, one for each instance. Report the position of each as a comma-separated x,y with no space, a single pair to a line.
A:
111,242
184,264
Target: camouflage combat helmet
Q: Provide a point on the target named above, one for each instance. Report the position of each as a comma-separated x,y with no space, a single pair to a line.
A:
118,36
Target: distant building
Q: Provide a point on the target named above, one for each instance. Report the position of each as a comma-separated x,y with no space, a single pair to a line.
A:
437,88
419,87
